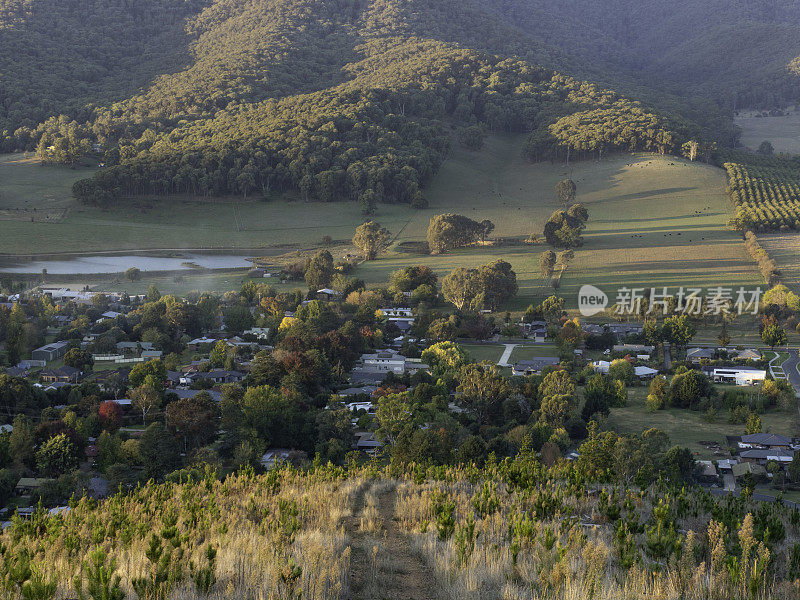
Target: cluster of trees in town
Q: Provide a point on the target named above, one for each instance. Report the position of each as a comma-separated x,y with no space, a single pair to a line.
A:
487,287
288,398
285,401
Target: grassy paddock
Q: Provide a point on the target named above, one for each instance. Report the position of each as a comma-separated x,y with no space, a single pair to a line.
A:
654,221
785,249
687,428
531,352
485,352
783,132
178,283
26,184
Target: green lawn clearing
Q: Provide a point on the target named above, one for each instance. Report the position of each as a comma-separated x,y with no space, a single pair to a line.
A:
688,428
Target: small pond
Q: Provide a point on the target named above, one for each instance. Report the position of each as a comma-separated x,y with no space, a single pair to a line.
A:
88,265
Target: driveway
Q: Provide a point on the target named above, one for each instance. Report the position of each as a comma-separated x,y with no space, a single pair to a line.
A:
667,356
503,362
730,482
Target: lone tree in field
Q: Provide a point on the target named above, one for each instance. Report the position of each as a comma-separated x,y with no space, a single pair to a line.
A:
547,264
133,274
766,148
690,149
563,230
319,270
487,227
370,238
565,190
450,231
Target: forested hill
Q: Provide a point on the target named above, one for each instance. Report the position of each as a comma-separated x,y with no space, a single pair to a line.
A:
733,51
59,56
331,98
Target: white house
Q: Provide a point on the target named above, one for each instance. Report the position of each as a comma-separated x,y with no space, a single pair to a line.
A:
391,361
643,372
405,313
260,333
273,457
385,360
737,375
356,406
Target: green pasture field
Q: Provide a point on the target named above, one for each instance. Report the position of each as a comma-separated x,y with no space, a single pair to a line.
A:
183,282
654,221
26,184
785,249
783,132
480,353
530,352
687,428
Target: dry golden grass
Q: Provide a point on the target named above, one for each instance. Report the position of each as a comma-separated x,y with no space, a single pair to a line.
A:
321,536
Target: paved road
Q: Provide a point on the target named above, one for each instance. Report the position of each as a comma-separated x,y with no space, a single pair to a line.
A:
756,496
790,368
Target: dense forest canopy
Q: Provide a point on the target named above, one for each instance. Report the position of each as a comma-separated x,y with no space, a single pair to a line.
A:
331,98
733,51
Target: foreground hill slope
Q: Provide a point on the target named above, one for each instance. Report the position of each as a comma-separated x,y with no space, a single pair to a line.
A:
517,531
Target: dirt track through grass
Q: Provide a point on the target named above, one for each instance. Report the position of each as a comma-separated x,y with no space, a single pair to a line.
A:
383,565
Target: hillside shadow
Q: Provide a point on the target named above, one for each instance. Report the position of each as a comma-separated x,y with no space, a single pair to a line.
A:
650,219
652,193
608,242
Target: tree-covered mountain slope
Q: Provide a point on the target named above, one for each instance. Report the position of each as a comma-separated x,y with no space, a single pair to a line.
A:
733,51
62,56
337,98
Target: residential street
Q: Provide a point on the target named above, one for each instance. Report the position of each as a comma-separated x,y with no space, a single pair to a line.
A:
790,368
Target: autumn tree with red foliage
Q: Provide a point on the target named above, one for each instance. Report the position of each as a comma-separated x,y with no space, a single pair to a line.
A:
110,414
